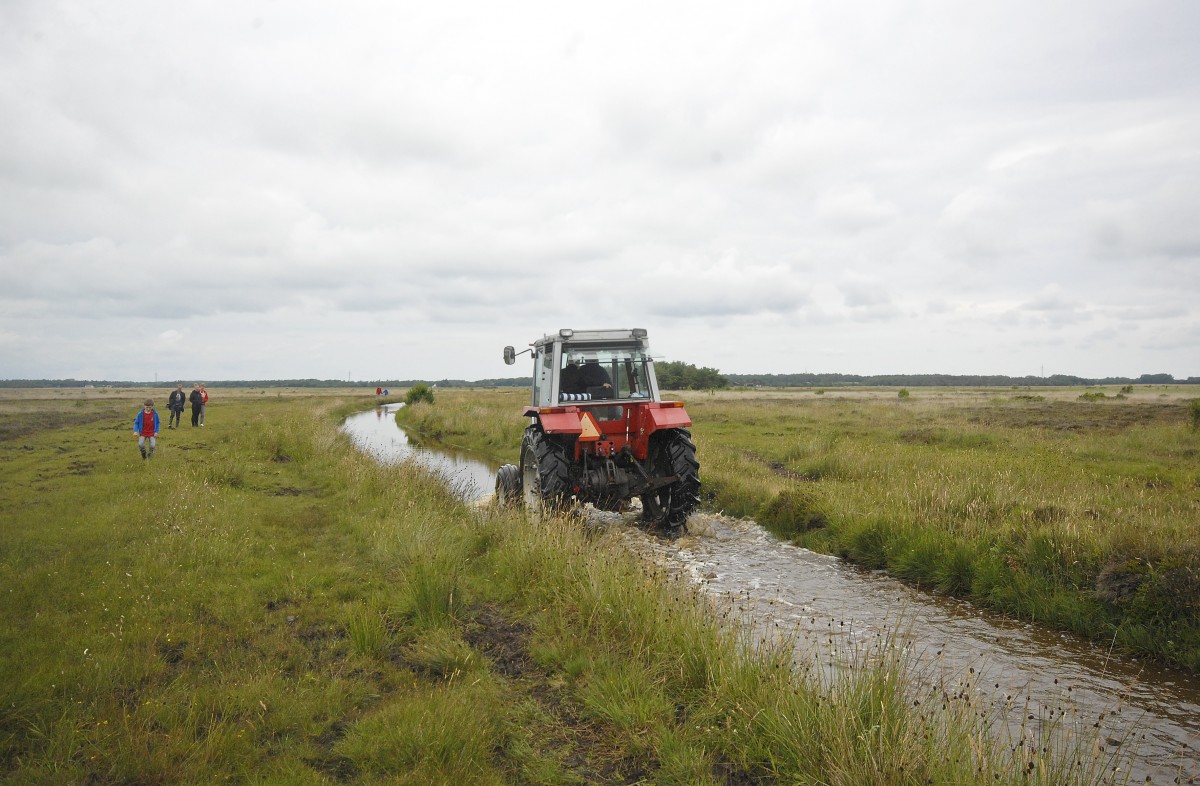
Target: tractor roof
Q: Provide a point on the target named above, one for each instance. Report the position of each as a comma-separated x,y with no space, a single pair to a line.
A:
616,335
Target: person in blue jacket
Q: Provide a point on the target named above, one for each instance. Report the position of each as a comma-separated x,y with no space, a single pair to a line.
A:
145,428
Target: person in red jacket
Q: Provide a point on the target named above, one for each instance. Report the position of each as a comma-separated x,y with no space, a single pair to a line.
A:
203,402
145,428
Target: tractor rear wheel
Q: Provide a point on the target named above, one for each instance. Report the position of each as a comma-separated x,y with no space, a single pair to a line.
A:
545,472
672,453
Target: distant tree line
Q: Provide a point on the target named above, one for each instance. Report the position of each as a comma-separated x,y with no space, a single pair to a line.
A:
672,375
945,380
677,375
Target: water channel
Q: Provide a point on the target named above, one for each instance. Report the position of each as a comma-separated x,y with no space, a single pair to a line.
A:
834,611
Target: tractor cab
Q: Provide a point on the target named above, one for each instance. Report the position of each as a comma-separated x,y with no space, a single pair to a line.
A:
580,366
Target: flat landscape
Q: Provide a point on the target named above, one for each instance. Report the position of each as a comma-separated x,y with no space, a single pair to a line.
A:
261,602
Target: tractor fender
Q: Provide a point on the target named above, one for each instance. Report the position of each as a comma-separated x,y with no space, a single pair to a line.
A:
557,421
668,417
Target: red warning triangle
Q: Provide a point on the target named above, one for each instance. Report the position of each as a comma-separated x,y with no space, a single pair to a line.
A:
590,429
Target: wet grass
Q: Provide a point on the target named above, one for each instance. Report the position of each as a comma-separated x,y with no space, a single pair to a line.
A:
262,603
1081,514
1076,514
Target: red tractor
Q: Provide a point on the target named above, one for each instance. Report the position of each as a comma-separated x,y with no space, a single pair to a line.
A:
598,431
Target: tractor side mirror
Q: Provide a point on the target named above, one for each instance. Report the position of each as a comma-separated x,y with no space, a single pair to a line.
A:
510,356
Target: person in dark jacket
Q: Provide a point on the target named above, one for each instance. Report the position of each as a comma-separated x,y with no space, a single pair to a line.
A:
594,376
571,379
197,402
175,403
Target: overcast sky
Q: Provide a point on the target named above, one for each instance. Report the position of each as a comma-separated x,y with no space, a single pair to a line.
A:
396,190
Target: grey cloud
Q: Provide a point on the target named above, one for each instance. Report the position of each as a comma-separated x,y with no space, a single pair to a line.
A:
859,293
330,182
1160,222
854,210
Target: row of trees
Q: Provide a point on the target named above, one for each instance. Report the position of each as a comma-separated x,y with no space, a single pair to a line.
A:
676,375
945,380
672,375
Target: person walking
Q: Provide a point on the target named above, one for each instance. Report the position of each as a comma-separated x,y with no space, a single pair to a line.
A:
203,402
175,403
197,402
145,428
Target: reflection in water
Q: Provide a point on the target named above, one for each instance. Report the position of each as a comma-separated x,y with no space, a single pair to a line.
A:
834,612
376,433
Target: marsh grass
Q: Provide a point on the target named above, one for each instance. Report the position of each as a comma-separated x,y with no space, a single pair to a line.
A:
1077,513
327,618
1019,504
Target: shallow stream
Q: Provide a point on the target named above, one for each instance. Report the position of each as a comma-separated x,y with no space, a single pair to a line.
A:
1027,676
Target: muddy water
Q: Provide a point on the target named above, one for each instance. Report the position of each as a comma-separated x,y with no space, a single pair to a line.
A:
1148,716
1023,676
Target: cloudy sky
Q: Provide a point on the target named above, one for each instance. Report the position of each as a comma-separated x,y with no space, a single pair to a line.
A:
377,190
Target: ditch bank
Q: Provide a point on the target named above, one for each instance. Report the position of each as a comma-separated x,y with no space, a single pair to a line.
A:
1028,678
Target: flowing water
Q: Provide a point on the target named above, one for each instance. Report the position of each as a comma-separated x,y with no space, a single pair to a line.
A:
1022,675
375,432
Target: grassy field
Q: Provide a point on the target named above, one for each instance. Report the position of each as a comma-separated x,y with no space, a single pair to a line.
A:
1079,509
261,603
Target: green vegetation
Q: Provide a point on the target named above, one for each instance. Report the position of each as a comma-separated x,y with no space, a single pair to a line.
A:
419,393
675,375
1082,515
1078,514
262,603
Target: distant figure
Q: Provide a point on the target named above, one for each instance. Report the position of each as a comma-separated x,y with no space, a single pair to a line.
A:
378,392
203,402
176,403
145,428
385,391
197,402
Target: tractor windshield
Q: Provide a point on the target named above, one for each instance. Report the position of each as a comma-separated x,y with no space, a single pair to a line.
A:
603,373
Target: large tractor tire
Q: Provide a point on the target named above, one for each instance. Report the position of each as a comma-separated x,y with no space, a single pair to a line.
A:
672,453
508,485
545,472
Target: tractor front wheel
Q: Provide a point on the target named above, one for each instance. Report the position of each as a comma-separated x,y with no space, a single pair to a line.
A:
672,453
508,485
545,472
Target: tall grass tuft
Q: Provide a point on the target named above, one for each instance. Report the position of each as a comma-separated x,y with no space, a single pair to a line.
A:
445,734
793,511
367,631
431,593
